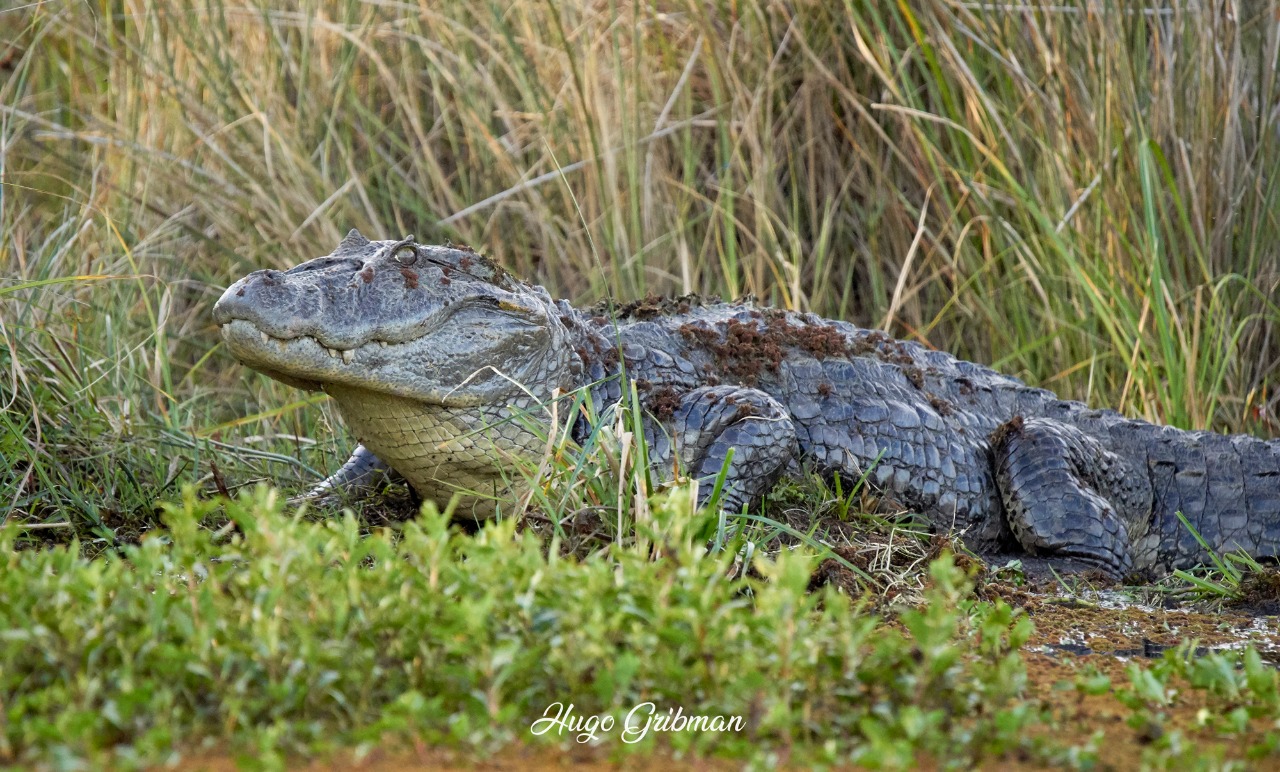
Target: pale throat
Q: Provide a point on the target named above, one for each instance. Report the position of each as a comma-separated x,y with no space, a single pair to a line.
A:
475,451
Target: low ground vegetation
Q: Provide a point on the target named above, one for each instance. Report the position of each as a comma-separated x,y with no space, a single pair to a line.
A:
275,636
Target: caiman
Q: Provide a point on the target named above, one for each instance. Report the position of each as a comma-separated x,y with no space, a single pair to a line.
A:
443,366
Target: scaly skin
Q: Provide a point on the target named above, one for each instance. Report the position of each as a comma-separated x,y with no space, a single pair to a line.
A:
439,362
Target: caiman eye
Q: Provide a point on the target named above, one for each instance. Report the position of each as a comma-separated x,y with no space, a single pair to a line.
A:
406,255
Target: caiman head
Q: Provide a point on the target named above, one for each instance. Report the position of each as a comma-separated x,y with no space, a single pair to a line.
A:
439,325
426,350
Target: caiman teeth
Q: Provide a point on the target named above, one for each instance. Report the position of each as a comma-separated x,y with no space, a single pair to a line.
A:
349,355
333,352
265,337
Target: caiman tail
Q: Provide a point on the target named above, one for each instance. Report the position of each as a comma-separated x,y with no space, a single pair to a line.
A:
1227,488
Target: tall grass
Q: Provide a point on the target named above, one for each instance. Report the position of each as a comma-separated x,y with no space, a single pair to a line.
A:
1080,194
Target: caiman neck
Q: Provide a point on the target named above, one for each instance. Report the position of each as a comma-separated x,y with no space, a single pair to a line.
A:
597,361
441,451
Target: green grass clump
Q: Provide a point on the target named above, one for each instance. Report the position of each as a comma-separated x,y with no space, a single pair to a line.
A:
280,635
1233,577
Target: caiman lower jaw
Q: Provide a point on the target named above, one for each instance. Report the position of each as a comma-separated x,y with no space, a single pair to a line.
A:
306,363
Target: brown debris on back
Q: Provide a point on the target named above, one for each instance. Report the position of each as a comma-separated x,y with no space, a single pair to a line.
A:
821,340
879,345
1005,430
747,349
410,278
663,402
915,375
755,341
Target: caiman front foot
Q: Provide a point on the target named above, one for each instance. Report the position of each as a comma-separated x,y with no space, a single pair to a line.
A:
712,420
363,474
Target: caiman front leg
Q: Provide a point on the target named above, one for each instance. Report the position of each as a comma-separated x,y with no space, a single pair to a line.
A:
363,473
1065,494
710,421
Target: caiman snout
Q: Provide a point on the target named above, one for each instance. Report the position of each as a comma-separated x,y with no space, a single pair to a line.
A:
290,304
268,301
246,294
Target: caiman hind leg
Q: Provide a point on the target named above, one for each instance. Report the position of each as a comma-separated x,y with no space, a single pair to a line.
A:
710,421
1065,494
